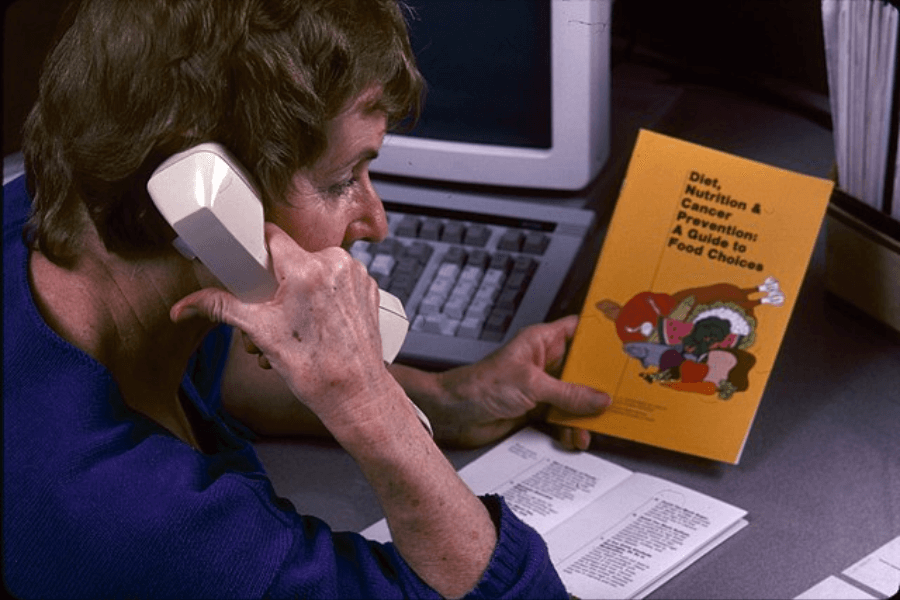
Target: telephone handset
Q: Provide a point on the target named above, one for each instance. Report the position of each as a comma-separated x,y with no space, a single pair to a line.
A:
207,198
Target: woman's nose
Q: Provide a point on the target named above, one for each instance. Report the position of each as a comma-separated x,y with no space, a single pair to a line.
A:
371,224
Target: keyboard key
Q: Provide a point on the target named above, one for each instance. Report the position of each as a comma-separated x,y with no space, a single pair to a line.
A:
449,326
480,259
525,264
441,324
462,293
420,251
487,293
517,279
448,270
433,323
407,265
479,309
408,227
502,262
453,232
477,234
389,246
470,328
383,281
431,304
382,264
441,287
418,323
471,274
536,242
430,229
509,298
455,255
493,277
402,286
490,286
455,307
496,325
510,241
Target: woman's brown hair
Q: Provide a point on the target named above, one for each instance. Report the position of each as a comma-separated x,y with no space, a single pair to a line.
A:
131,82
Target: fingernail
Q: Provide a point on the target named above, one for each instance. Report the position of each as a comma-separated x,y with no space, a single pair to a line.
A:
603,400
583,439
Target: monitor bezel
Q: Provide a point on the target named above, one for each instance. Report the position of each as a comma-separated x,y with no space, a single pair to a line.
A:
580,119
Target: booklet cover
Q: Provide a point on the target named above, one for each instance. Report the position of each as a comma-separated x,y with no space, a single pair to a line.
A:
689,302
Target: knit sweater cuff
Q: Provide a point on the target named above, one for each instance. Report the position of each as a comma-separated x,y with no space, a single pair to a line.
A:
520,566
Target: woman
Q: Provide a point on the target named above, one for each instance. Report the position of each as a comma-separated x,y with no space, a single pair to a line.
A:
124,474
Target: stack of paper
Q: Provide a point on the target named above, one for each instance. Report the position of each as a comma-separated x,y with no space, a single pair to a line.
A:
861,41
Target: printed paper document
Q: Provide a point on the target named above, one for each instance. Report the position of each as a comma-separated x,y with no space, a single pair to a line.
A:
611,533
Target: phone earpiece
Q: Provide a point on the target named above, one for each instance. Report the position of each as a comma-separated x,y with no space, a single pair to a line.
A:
212,206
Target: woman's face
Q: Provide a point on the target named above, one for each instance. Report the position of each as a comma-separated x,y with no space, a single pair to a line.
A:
333,202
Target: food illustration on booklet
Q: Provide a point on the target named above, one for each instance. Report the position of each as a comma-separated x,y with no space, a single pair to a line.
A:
694,340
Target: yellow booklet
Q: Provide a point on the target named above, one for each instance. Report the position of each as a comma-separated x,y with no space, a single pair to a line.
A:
689,302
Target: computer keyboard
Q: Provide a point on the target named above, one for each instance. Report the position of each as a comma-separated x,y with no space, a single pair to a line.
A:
471,270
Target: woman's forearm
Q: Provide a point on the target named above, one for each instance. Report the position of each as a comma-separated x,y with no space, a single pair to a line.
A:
440,527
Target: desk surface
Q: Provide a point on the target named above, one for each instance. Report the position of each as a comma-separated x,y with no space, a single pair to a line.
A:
820,473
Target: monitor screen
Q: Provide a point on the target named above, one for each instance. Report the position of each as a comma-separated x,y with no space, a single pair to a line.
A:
494,88
518,94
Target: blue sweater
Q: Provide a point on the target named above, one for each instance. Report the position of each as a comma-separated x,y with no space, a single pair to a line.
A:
100,501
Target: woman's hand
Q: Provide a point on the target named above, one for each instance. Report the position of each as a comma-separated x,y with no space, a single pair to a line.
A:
479,403
320,331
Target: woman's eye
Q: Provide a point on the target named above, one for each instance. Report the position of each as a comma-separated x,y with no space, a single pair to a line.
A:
339,189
